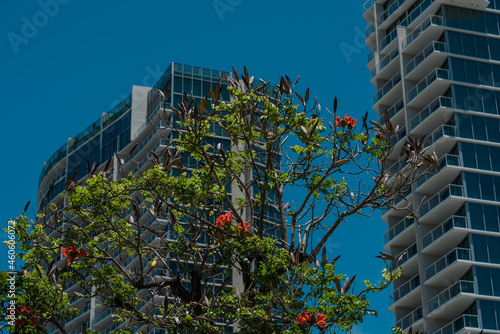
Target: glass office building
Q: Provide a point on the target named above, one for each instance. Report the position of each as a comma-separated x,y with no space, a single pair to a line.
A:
436,67
135,129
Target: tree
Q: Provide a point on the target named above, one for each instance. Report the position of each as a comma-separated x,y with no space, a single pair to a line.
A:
222,247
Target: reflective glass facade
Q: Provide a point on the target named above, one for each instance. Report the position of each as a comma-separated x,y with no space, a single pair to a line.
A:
450,92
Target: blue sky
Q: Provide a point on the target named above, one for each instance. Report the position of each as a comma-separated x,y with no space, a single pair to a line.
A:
65,62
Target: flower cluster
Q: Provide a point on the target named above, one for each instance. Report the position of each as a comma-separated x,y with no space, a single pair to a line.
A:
347,121
243,227
223,220
26,312
73,254
308,319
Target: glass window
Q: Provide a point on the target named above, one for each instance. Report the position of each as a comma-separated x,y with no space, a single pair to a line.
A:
490,218
485,76
471,71
468,155
460,94
479,248
178,85
476,216
494,249
464,17
495,280
488,98
478,21
495,159
458,70
482,47
483,281
487,188
454,42
483,157
490,20
495,69
468,42
479,128
487,309
196,87
493,129
451,17
494,46
464,125
472,185
497,187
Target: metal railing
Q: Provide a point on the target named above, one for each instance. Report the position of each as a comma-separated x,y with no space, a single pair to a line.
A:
369,31
441,101
404,289
388,39
438,232
389,11
429,49
397,229
439,73
450,293
445,261
405,255
387,87
447,160
399,136
431,20
410,319
367,5
384,62
443,130
392,111
443,195
466,320
369,56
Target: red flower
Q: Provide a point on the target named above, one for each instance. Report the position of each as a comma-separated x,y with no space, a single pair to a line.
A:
72,253
320,320
304,318
243,227
347,121
26,312
224,220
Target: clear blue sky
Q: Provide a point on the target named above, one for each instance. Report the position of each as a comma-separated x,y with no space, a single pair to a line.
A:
63,66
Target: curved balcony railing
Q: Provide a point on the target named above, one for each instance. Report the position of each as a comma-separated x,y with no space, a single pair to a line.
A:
397,229
429,49
438,232
368,4
447,160
431,20
369,56
399,136
392,111
445,261
404,256
384,62
443,195
404,289
387,88
397,166
389,11
443,130
450,293
466,320
410,319
440,102
438,73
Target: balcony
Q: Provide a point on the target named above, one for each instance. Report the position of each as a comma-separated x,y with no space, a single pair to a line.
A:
408,291
406,260
422,35
369,59
433,85
392,112
388,93
438,104
453,264
391,10
447,232
391,37
369,31
445,136
459,294
401,233
447,175
410,320
382,70
430,58
466,323
440,199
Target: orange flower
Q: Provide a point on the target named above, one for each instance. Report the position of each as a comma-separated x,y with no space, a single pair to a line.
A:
224,220
243,227
72,253
26,312
304,318
320,320
347,121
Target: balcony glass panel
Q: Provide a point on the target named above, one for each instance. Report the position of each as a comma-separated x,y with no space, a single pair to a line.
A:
370,30
387,87
447,160
449,294
388,39
404,289
440,102
384,62
466,320
369,56
451,190
399,136
398,228
438,232
368,5
416,12
434,46
445,261
392,111
405,255
431,20
389,11
410,319
439,73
